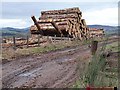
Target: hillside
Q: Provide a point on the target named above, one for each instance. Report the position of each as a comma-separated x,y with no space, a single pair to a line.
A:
108,29
9,31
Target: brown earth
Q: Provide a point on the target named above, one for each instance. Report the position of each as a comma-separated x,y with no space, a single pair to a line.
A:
55,69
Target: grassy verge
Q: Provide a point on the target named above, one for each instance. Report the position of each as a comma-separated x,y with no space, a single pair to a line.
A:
96,73
113,46
9,53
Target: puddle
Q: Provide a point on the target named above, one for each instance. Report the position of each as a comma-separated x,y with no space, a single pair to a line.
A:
68,50
65,59
31,73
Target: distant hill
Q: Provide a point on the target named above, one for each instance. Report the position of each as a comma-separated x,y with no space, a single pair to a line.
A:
103,26
108,29
9,31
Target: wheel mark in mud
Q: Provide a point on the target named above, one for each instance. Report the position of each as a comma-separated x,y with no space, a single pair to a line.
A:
27,72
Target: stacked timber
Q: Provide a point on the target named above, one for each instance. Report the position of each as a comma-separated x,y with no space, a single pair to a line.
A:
66,22
96,32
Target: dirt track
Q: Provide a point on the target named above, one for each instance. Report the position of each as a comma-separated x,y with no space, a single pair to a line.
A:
53,69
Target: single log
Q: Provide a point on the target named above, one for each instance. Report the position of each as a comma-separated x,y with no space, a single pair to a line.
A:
75,15
63,11
83,22
50,31
56,27
48,27
36,23
48,20
49,23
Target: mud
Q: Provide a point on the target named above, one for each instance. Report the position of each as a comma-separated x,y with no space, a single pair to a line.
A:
49,70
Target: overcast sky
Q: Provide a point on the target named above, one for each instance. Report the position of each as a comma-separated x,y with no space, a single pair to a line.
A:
17,14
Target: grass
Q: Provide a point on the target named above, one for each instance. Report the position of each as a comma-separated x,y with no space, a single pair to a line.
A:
93,76
9,53
114,47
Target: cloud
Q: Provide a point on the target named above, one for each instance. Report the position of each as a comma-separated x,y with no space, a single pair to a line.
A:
107,16
16,23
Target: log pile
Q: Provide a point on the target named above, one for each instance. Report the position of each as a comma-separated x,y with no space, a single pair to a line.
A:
95,32
21,42
66,22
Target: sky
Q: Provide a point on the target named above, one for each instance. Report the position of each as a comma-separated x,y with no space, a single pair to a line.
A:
18,14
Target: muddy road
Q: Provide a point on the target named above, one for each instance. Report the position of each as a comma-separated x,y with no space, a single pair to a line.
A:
54,69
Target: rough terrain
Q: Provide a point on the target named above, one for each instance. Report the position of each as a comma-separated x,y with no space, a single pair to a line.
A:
53,69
